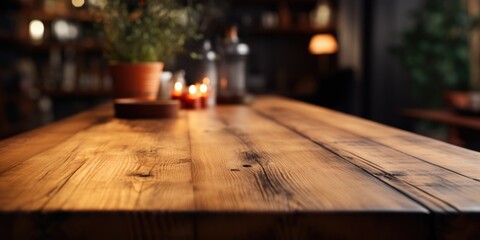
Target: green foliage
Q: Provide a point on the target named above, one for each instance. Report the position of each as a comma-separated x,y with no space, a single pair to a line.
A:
435,49
146,31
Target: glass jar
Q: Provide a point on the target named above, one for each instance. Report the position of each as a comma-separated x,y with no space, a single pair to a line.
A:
232,68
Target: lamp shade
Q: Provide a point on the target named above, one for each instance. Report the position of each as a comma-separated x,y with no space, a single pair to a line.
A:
323,44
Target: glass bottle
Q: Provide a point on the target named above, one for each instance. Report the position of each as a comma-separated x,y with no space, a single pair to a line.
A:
232,67
205,70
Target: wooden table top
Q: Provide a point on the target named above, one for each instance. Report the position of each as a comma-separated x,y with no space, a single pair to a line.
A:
276,169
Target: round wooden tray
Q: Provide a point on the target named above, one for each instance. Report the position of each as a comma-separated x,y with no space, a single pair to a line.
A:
135,108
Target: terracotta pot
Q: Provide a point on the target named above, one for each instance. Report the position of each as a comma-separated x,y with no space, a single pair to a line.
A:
467,102
136,80
457,99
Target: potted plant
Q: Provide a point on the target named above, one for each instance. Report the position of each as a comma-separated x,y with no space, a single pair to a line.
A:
140,37
437,52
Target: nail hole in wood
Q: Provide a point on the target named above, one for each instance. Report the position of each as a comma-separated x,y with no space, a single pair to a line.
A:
247,165
234,170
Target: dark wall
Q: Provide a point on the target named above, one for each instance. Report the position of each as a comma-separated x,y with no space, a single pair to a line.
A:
368,30
351,39
388,86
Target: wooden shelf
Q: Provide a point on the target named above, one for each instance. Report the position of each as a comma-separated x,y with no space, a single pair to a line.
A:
293,31
81,45
78,93
76,15
272,2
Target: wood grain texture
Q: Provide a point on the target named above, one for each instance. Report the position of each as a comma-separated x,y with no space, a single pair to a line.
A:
13,150
279,169
128,173
288,185
233,146
419,167
453,158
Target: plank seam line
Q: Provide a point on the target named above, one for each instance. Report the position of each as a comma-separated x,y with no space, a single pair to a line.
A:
397,150
62,185
393,177
276,190
22,135
48,148
410,155
189,136
389,175
392,148
137,201
348,162
428,162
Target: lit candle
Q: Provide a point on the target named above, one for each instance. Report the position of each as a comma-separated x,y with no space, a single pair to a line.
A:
37,29
177,91
191,99
203,95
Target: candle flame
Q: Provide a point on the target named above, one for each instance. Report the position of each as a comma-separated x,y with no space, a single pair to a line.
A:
203,88
192,89
178,86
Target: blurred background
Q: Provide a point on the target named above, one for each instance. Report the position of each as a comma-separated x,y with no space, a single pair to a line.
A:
412,64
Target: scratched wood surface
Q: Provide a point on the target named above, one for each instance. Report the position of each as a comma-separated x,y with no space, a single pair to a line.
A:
278,169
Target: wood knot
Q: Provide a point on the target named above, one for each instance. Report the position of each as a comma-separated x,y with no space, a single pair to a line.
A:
142,175
184,160
251,156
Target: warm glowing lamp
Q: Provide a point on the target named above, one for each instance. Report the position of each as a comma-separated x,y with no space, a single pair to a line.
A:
36,29
323,44
78,3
